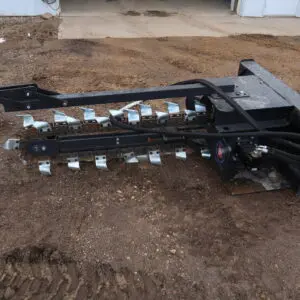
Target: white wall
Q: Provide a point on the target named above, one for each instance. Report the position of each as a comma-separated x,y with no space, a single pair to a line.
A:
27,8
260,8
251,8
281,8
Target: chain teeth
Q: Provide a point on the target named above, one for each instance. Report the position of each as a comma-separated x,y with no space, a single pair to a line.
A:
117,113
190,115
65,124
180,153
173,108
101,162
60,117
103,121
130,158
28,121
88,114
12,144
45,167
199,108
146,110
162,117
73,163
133,116
154,157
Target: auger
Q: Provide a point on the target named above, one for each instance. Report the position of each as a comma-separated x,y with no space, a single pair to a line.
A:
248,126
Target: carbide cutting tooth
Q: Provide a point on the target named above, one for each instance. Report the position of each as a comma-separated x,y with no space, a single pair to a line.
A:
12,144
45,167
146,110
88,114
173,108
162,117
117,113
154,157
28,121
73,163
101,162
205,153
133,116
180,153
103,121
130,158
199,108
190,115
60,117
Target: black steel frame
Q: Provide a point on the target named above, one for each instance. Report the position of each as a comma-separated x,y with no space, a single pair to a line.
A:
31,97
97,142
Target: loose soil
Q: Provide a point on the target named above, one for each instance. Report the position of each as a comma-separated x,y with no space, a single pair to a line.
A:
171,232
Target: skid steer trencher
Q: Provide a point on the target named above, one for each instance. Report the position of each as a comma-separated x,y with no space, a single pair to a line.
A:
248,126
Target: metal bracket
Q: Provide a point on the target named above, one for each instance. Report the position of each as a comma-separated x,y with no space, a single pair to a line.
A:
101,162
133,116
28,121
60,117
199,108
90,115
117,113
146,110
73,163
154,157
12,144
130,158
173,108
180,153
235,94
190,115
162,117
45,167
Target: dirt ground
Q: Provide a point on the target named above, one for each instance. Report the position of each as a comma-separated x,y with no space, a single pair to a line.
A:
171,232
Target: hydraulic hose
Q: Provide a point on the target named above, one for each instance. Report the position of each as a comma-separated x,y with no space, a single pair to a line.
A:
285,159
287,143
205,135
259,132
224,96
285,154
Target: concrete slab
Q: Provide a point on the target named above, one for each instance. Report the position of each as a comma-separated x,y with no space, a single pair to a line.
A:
140,18
119,26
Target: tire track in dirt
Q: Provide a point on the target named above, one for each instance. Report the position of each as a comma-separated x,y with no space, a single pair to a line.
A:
45,273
